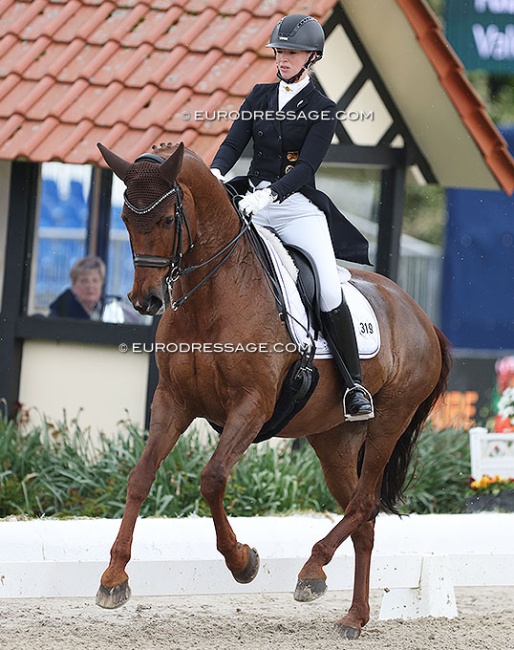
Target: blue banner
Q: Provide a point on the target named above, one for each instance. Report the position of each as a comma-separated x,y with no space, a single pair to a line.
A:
478,276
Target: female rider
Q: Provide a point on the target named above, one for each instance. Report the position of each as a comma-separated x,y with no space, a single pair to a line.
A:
292,124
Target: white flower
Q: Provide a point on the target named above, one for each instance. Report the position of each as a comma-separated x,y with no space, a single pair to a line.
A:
506,404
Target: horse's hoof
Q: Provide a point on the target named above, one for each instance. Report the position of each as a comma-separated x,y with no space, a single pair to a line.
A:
348,632
115,597
308,589
251,570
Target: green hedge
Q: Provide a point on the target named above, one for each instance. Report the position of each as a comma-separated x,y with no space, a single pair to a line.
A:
54,471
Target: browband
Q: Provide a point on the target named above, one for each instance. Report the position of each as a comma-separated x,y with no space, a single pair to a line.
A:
153,157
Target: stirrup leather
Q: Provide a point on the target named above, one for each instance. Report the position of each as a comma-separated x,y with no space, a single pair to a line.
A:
365,416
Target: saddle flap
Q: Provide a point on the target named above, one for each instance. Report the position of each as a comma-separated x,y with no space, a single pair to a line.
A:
307,283
299,324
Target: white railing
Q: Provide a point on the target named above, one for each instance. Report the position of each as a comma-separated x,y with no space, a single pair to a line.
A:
417,560
491,453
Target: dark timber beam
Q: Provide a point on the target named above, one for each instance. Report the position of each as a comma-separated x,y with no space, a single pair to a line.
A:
390,217
18,256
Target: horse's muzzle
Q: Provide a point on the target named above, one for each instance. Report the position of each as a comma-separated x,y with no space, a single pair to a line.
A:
150,305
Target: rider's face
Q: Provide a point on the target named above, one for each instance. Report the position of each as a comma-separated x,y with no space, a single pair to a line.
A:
290,62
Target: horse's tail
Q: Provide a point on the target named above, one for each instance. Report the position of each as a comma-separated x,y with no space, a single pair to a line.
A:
396,469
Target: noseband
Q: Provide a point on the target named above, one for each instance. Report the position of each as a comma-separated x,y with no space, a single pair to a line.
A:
173,262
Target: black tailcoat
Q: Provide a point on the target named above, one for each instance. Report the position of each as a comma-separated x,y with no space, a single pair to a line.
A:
288,147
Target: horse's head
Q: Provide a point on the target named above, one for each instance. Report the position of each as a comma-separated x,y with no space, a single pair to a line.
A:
155,219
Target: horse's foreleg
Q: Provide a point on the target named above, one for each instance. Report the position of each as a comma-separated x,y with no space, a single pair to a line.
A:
165,429
238,433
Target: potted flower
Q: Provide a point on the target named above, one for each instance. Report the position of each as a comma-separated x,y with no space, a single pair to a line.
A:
504,419
491,493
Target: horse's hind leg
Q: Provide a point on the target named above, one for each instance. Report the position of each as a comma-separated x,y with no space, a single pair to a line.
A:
338,452
165,429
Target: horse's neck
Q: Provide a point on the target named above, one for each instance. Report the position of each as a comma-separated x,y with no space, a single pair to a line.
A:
238,290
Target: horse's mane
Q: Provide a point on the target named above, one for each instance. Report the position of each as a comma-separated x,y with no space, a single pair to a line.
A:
165,150
193,167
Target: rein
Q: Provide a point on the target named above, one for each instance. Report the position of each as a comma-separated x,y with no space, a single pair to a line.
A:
230,247
173,262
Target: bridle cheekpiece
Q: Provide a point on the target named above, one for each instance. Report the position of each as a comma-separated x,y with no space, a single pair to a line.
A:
156,261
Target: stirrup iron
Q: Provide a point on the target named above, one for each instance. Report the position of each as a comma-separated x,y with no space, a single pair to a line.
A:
365,416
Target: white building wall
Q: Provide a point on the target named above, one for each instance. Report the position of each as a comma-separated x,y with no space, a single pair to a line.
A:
95,382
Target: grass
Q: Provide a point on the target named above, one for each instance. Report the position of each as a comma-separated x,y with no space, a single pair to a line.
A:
53,470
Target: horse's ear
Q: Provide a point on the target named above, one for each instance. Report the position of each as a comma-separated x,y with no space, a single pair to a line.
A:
170,168
117,164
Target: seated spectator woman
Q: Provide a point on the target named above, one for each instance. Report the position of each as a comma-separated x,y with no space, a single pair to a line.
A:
85,297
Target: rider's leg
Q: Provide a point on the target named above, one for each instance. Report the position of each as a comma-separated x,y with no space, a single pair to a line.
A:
340,334
302,224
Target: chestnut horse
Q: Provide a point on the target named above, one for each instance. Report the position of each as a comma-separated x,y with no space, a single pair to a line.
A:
191,253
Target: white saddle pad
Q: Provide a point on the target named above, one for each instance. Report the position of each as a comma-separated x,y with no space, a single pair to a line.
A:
364,320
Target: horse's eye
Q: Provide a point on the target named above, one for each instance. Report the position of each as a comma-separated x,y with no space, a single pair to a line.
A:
168,221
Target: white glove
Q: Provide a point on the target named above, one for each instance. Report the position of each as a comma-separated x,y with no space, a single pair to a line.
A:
217,174
255,201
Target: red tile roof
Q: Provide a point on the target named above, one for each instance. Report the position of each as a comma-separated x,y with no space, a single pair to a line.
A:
75,72
470,107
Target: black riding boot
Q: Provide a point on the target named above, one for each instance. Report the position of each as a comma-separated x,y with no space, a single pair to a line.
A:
340,335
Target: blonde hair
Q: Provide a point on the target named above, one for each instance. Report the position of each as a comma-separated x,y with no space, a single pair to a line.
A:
86,264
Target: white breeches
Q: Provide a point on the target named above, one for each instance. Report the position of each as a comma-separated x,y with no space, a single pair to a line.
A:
300,223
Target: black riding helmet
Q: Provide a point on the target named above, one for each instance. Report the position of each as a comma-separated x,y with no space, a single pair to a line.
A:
298,32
